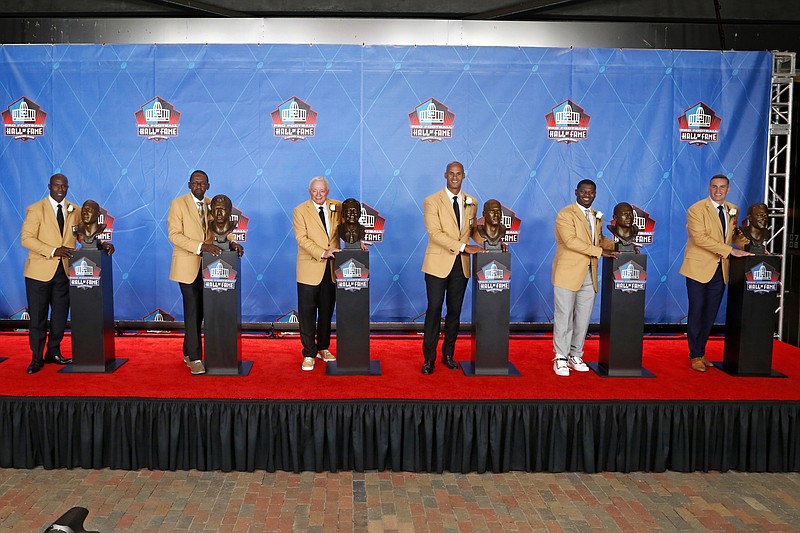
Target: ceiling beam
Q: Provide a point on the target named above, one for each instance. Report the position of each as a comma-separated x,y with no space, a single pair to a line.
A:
200,8
521,7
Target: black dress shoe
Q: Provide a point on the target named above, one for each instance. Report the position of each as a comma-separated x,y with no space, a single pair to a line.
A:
427,368
447,360
57,359
34,368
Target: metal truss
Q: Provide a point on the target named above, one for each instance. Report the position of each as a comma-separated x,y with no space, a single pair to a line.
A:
776,187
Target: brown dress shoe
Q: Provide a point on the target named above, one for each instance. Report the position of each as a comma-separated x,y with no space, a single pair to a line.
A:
697,364
706,361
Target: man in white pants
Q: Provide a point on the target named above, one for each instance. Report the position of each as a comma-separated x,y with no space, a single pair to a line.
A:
579,242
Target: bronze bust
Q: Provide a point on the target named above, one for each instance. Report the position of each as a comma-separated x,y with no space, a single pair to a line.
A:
754,227
624,229
221,225
350,231
88,231
492,228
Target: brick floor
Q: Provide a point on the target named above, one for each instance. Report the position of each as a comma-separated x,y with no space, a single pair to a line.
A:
145,501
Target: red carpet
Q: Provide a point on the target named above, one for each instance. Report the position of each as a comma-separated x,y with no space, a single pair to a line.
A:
155,369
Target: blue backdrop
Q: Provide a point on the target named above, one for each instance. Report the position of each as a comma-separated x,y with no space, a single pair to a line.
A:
363,96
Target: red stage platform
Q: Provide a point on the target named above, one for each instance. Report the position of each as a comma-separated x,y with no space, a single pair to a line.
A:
151,413
155,369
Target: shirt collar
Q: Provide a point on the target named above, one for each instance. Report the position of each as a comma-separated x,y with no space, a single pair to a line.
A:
716,205
583,209
55,204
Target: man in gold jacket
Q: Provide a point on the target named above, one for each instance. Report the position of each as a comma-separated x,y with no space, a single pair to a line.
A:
711,225
187,225
579,243
450,222
47,234
316,229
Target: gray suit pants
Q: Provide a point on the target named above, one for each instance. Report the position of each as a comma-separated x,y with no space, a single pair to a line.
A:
571,314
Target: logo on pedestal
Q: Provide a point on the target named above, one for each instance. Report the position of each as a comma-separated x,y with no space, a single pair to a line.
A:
699,125
762,279
23,120
494,277
630,277
567,123
219,276
431,121
83,274
157,120
373,223
510,221
352,276
294,120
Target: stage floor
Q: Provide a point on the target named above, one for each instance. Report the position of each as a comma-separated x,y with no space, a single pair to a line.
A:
155,369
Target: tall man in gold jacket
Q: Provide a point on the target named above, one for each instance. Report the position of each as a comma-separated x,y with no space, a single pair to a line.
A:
47,234
579,243
187,224
316,229
450,222
711,225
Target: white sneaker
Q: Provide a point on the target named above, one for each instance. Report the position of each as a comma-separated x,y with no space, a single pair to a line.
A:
308,363
577,364
326,356
560,366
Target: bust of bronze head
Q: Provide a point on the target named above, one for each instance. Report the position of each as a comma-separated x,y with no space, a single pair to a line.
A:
754,227
624,229
221,224
492,228
89,228
350,231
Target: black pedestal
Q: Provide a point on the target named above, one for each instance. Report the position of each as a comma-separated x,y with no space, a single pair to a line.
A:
351,268
491,304
753,285
222,315
91,299
622,317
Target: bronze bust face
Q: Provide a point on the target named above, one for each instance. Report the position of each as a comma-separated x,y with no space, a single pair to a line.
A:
221,224
87,231
350,231
754,227
624,229
492,228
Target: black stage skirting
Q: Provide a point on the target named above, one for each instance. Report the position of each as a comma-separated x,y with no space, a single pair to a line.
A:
414,436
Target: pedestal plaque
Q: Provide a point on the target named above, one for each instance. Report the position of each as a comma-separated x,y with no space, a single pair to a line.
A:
491,304
753,285
351,269
91,300
222,315
622,317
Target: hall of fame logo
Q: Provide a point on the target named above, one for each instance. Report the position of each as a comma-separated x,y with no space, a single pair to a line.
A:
219,276
23,120
645,224
104,218
699,125
240,233
294,120
512,223
157,120
158,315
567,123
352,276
762,279
288,318
494,277
21,314
431,121
373,223
83,273
630,277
